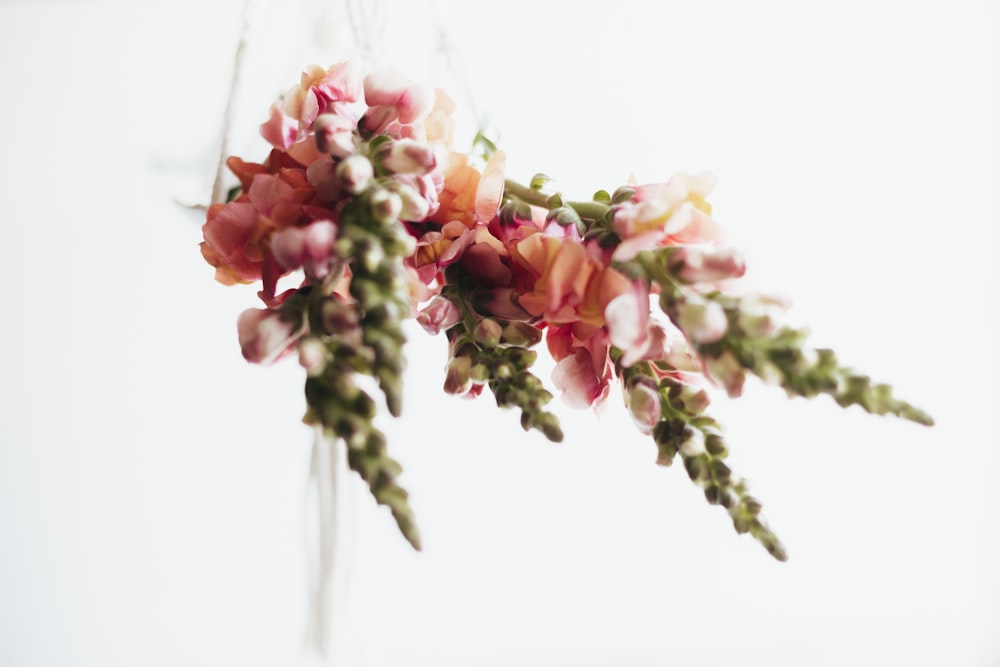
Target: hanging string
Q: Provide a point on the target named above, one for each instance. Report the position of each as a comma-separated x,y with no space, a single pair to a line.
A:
218,185
333,571
450,56
367,19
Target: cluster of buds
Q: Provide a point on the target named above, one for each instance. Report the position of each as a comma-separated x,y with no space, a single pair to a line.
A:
485,351
685,430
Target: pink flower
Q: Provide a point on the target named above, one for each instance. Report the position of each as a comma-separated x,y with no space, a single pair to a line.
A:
577,378
670,213
439,314
698,264
483,260
392,97
309,247
418,194
640,338
503,303
280,130
228,231
584,369
319,88
237,234
265,335
317,91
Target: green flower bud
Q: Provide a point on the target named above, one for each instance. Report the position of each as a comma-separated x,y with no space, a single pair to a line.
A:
539,181
457,377
564,216
313,356
503,371
487,332
520,357
338,318
386,206
520,334
479,373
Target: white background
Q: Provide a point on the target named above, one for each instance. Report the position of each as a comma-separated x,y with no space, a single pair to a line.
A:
152,484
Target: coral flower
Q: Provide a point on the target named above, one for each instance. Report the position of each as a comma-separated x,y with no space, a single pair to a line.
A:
457,201
570,286
237,234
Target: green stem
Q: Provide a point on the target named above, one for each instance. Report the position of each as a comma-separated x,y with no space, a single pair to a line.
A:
590,210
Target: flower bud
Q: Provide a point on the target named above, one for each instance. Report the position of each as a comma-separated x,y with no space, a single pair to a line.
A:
520,334
700,264
399,242
355,173
479,373
688,399
487,332
415,206
334,134
386,205
757,314
693,443
309,247
457,378
338,318
702,321
406,156
521,358
265,335
313,356
727,371
371,256
503,371
643,401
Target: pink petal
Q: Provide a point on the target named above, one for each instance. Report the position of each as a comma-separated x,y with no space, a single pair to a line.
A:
439,314
267,190
489,193
279,130
575,377
264,336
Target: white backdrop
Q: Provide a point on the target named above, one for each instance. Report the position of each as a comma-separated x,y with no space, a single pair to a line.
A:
152,484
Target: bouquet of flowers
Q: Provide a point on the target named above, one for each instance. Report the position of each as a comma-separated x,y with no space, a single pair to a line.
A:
365,198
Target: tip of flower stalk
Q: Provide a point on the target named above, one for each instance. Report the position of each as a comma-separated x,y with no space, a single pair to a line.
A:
919,416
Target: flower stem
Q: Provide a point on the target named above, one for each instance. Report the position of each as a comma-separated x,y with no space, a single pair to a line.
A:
590,210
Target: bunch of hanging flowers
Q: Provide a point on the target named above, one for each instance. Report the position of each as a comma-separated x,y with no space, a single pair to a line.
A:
364,196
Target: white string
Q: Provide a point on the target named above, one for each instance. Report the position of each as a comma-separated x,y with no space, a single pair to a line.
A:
327,477
218,186
368,24
450,55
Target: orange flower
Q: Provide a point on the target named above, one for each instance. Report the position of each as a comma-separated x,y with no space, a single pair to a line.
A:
570,286
458,198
